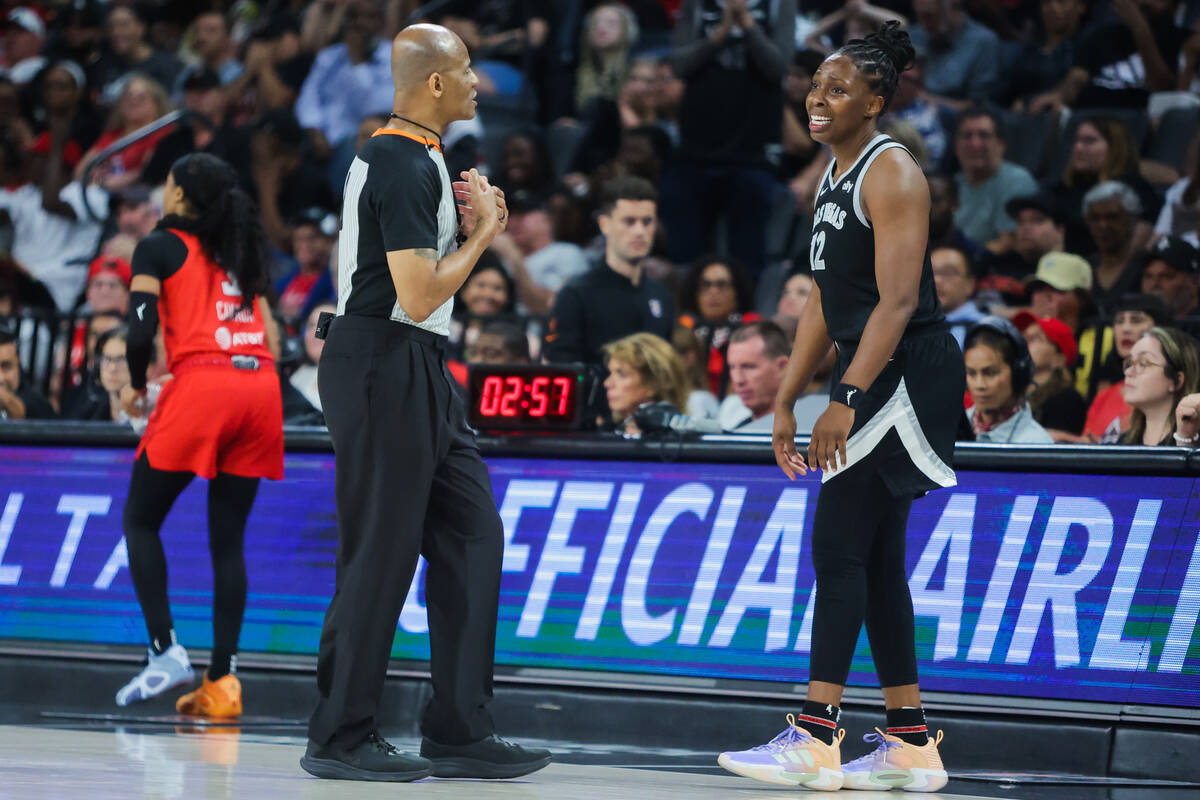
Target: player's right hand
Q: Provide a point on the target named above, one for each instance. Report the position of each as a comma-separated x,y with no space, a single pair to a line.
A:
783,441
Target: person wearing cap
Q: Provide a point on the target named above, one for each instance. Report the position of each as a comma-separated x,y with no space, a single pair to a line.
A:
210,132
108,285
539,264
1111,210
1172,271
1052,398
1061,288
1039,230
1108,414
24,37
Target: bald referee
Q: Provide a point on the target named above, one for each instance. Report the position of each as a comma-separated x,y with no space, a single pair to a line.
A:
409,477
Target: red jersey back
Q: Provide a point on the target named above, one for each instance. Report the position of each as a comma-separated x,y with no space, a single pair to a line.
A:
201,313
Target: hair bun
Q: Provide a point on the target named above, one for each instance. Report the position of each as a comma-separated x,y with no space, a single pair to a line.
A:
892,40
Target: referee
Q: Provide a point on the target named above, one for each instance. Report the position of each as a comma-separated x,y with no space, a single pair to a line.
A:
409,477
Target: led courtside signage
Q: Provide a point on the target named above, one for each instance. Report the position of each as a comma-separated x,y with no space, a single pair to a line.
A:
1039,585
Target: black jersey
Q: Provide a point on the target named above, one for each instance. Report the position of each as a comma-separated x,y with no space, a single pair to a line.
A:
842,253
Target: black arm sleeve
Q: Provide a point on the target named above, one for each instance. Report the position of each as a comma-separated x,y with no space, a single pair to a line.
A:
406,203
139,346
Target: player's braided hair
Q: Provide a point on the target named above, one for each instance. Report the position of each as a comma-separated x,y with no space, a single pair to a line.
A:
881,57
226,221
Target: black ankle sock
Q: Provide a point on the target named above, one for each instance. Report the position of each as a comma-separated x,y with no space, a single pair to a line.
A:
908,725
222,664
160,644
819,719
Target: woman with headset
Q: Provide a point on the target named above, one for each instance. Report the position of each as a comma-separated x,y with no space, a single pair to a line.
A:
999,371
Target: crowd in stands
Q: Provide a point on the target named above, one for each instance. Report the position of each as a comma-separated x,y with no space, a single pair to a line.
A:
660,178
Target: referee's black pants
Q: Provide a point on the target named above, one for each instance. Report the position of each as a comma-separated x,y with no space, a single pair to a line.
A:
409,480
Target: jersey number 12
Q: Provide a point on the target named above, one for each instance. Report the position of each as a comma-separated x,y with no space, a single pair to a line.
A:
815,249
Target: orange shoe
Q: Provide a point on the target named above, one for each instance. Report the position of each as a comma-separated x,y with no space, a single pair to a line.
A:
219,698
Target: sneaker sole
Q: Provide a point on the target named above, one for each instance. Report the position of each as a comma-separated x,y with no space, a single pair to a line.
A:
474,768
910,780
339,771
185,680
824,780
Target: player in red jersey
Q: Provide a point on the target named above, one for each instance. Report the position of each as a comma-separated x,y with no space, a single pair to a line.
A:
202,272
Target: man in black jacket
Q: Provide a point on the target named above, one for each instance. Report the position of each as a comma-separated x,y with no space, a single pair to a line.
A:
613,299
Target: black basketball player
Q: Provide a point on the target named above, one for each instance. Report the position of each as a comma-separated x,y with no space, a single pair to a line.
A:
887,435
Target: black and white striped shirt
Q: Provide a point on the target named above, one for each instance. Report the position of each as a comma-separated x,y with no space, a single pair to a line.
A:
397,197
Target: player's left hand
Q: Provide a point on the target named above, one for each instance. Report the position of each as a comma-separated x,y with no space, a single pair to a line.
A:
133,402
829,436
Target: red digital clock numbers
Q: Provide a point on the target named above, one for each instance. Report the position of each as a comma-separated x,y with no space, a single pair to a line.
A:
525,396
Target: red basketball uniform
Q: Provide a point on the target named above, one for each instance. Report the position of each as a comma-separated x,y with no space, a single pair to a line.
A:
211,416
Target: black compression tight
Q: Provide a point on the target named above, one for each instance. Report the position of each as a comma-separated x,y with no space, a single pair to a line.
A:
858,555
152,492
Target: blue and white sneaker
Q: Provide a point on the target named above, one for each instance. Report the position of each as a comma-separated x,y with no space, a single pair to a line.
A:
793,758
163,672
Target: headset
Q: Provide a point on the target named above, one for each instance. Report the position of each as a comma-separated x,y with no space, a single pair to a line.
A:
1022,365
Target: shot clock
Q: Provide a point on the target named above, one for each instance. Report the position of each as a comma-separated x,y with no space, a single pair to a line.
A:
525,397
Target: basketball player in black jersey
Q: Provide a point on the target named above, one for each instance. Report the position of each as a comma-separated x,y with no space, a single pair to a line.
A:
887,436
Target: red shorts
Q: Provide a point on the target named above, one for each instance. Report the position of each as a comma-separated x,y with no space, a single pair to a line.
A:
213,418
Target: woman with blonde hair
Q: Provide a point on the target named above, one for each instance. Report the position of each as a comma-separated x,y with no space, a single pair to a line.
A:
609,33
1162,368
142,101
643,368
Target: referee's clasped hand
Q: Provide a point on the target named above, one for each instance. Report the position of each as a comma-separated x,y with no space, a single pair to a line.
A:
486,202
783,441
829,435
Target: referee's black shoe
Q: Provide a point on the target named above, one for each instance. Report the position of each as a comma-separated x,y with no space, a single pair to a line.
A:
488,758
372,760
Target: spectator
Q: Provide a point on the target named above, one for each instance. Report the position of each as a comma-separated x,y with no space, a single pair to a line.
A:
796,289
986,181
24,38
314,233
348,80
1180,215
962,56
668,97
1120,62
214,49
1108,415
609,32
912,105
99,399
715,299
64,115
488,293
1103,150
758,355
1053,400
999,371
954,278
1036,65
53,236
1111,209
1172,271
286,183
129,52
525,164
108,285
732,58
616,298
211,132
13,125
1039,231
854,20
79,34
141,102
799,149
642,368
539,264
136,212
606,121
18,397
1061,288
943,205
1162,368
275,67
499,342
701,403
304,379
